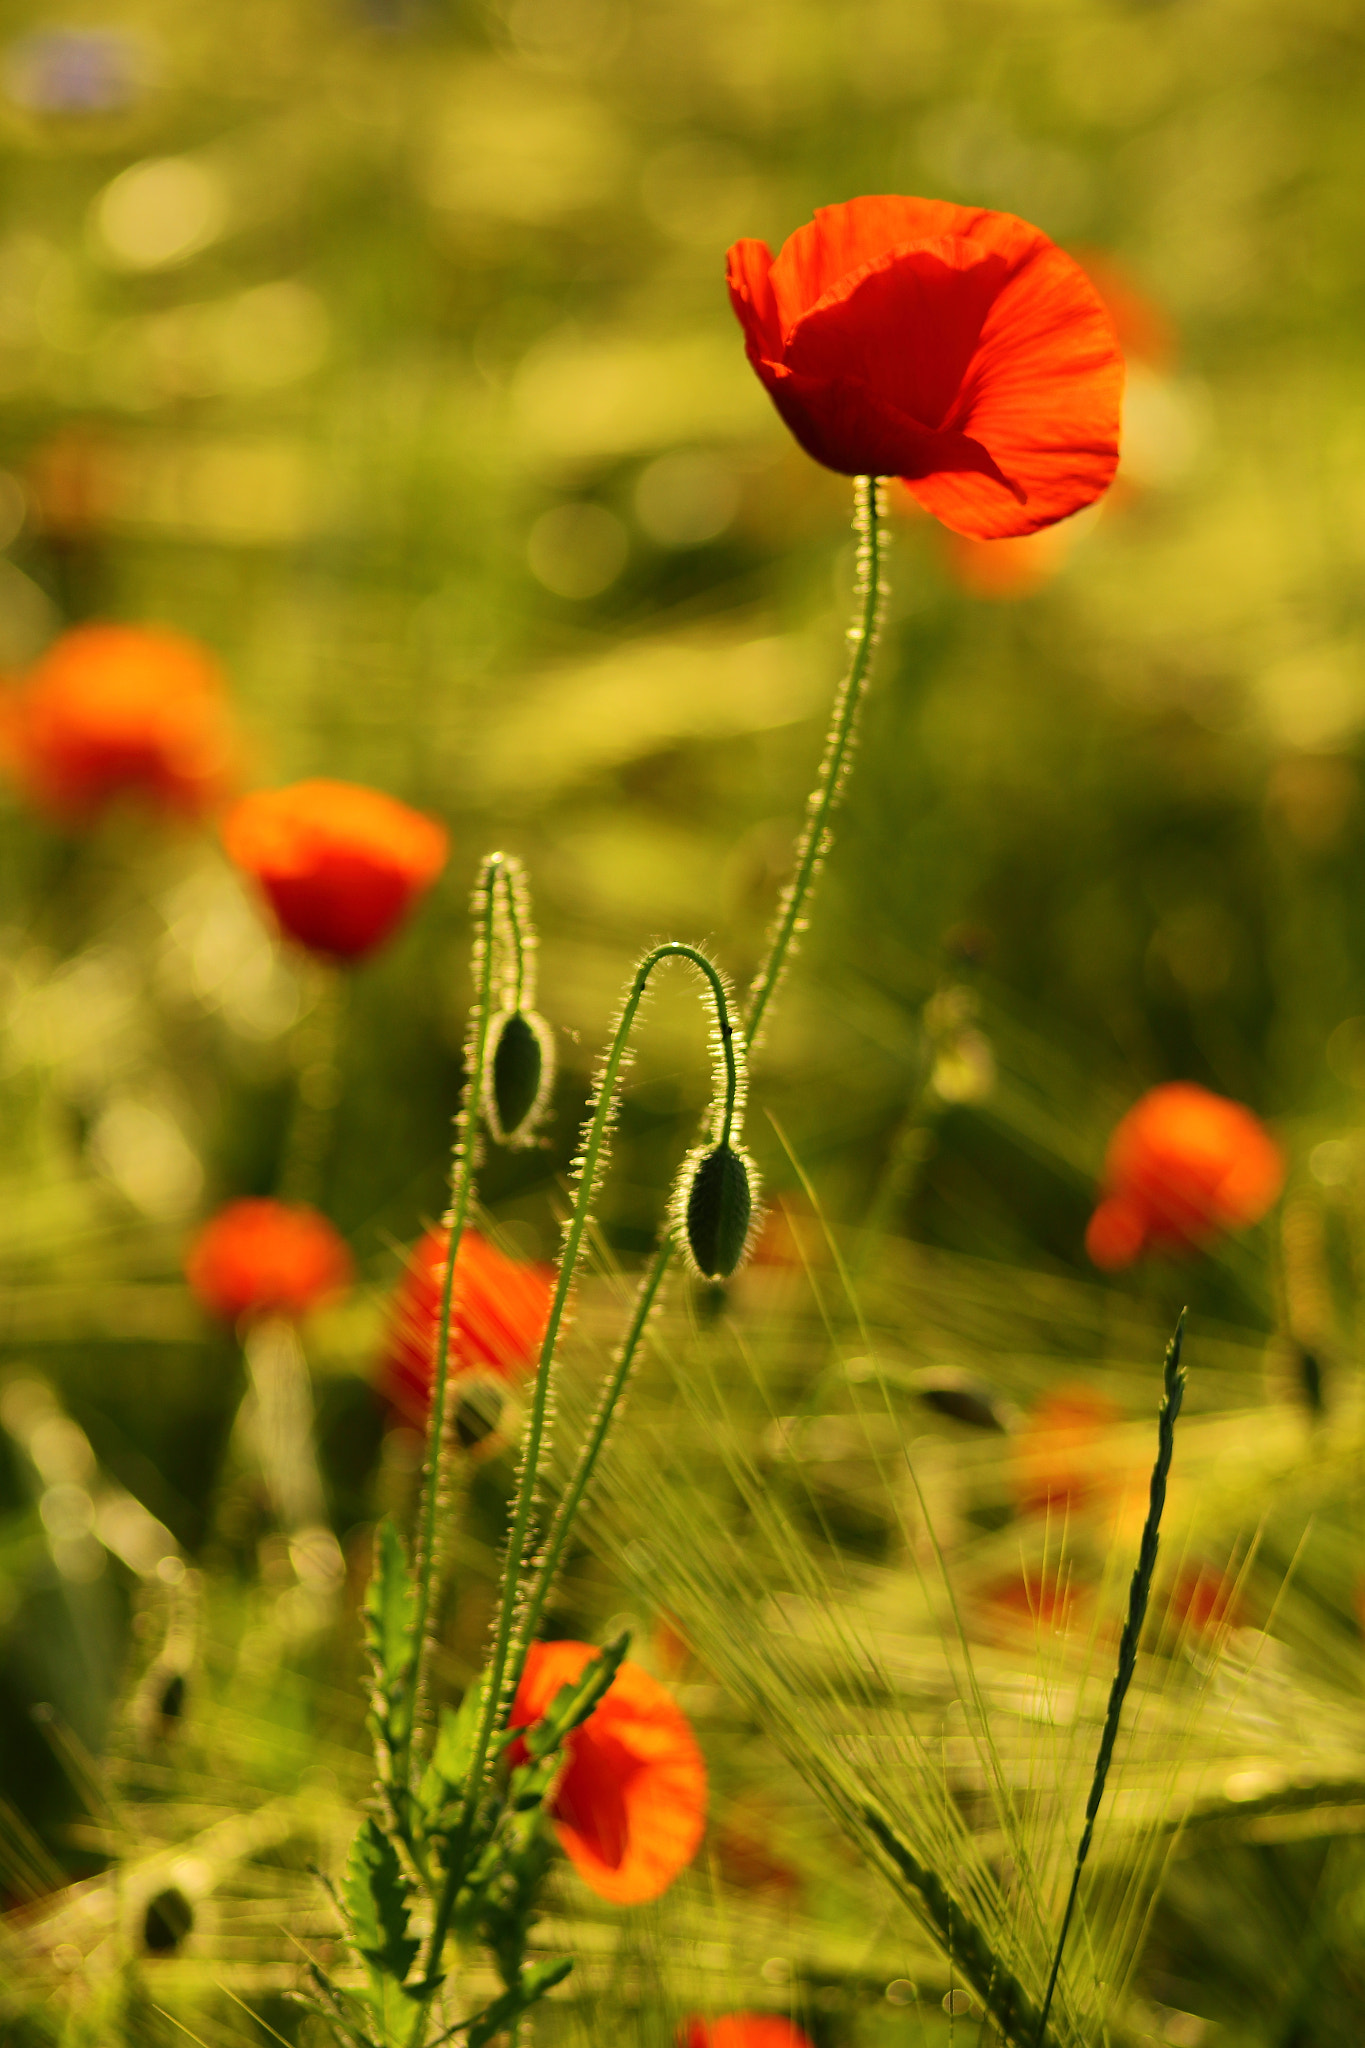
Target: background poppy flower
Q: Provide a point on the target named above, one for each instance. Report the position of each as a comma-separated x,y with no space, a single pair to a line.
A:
742,2030
341,865
261,1257
1182,1166
115,710
631,1806
1058,1451
955,348
499,1311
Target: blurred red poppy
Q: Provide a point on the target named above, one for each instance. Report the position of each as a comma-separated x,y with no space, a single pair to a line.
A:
1205,1598
742,2030
1182,1166
1057,1452
1039,1600
955,348
260,1257
498,1315
121,710
631,1806
341,865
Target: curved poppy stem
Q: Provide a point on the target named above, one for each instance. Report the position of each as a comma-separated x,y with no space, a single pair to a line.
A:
435,1471
869,511
867,518
517,1612
317,1085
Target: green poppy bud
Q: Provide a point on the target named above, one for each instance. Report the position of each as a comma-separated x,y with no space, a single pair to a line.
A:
521,1074
715,1207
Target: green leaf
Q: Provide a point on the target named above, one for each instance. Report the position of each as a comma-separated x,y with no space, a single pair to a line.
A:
375,1895
390,1614
455,1739
534,1984
572,1704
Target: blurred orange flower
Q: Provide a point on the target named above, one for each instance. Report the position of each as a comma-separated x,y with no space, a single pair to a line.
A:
742,2030
1205,1599
631,1806
340,865
1055,1451
120,710
498,1315
260,1257
1038,1599
1182,1166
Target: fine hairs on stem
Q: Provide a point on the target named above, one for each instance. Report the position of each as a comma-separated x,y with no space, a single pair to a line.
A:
1139,1593
868,521
518,1611
500,922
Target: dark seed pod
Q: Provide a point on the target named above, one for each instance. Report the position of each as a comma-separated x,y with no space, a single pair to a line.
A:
716,1208
167,1920
521,1074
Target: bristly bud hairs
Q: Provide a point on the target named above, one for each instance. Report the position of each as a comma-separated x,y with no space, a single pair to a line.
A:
521,1068
714,1196
715,1208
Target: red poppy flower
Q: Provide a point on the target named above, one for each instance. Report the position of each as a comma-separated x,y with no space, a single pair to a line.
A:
114,710
340,865
957,349
260,1257
498,1315
1182,1166
631,1806
742,2030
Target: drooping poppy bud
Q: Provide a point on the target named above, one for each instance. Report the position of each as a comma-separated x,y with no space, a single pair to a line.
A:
714,1204
955,348
520,1076
631,1805
259,1257
1182,1166
499,1310
114,711
340,865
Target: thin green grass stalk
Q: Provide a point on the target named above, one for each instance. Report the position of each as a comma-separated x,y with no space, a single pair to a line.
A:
1139,1593
517,1612
435,1471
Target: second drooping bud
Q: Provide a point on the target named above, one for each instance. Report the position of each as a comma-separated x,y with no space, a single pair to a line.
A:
714,1208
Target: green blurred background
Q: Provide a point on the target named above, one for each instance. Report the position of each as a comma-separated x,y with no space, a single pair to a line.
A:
385,348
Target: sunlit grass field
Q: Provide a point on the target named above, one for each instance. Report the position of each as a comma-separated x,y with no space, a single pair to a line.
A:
381,347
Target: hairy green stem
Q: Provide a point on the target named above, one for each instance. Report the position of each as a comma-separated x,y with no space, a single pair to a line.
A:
1139,1593
434,1472
868,514
512,1636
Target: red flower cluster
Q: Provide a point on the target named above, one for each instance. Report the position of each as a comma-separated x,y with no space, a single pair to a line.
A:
340,865
499,1310
121,710
631,1805
742,2030
1182,1166
1058,1457
955,348
259,1257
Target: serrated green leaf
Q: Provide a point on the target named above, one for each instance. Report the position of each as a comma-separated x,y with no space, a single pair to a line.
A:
455,1739
375,1895
572,1704
390,1612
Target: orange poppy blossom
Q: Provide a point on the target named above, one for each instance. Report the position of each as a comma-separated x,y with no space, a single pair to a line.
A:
955,348
499,1310
741,2030
1205,1599
340,865
630,1807
113,710
1182,1166
1057,1451
260,1257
